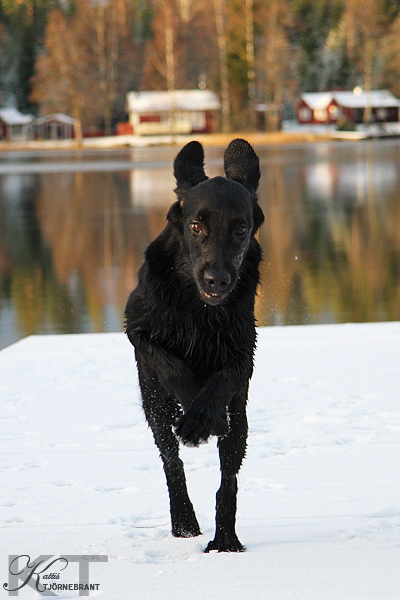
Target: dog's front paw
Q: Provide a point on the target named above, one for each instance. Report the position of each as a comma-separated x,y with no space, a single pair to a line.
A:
225,546
196,426
193,428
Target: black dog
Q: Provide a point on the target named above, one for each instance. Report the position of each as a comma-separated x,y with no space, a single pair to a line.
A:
191,320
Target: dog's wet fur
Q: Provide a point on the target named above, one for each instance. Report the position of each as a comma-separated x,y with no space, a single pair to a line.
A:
191,321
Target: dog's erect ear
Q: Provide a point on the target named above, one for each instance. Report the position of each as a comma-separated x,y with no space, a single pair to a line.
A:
189,168
188,171
241,164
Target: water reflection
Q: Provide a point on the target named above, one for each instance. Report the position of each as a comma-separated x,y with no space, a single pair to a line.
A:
71,242
332,237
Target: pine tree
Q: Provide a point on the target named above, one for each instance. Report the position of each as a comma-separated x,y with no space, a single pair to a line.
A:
25,22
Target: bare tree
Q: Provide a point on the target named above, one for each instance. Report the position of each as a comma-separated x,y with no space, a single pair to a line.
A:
163,50
275,16
350,21
88,63
250,59
391,56
2,69
111,39
64,77
366,23
219,6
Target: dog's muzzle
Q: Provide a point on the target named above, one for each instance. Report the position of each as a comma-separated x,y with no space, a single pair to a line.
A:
215,286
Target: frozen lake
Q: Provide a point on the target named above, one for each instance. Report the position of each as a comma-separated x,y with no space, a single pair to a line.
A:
74,225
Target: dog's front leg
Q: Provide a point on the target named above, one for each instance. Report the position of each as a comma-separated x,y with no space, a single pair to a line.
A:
207,415
232,449
175,376
160,410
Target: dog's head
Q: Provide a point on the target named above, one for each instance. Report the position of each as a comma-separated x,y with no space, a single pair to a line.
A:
216,217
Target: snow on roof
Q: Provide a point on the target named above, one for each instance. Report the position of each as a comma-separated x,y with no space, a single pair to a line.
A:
12,116
377,99
318,100
56,117
187,100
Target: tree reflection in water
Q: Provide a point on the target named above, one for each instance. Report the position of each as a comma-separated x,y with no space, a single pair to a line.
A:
71,242
332,237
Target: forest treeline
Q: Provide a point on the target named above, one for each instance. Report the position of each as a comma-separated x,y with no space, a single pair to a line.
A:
81,57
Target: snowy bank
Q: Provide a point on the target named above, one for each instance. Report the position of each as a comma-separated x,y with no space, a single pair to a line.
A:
319,492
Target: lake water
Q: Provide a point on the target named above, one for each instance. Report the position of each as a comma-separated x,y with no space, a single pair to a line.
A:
73,228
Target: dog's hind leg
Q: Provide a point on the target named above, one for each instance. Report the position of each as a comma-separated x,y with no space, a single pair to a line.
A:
232,449
160,411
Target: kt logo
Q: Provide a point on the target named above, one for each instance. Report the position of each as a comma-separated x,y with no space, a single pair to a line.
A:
40,573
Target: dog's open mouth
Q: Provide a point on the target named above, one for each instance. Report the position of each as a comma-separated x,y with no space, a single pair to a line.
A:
213,297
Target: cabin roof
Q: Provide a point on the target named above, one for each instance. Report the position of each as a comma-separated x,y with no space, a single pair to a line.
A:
161,101
349,99
12,116
67,120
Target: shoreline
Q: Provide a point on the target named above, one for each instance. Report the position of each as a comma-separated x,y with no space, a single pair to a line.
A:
208,140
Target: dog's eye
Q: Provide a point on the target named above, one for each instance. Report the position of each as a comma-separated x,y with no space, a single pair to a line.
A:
240,231
196,227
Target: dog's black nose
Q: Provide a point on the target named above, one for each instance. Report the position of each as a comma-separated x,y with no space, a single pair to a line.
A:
217,281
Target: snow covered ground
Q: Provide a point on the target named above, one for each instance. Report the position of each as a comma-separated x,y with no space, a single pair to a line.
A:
319,492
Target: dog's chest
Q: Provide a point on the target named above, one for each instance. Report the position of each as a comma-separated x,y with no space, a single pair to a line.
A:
205,344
